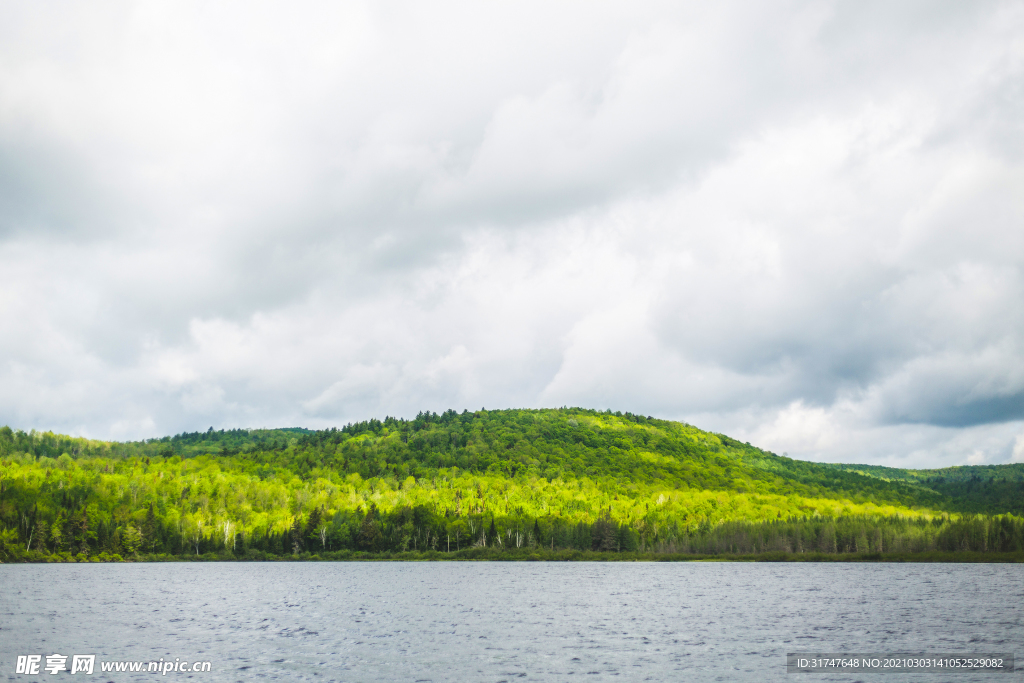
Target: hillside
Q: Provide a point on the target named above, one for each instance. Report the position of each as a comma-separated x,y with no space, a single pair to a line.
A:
508,479
974,488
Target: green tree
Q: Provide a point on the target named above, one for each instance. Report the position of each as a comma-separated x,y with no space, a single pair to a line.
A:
149,530
83,532
312,523
369,531
604,535
131,539
296,535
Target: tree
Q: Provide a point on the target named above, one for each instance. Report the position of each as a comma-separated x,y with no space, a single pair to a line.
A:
229,537
604,535
40,533
83,532
321,532
313,524
149,529
195,532
131,539
369,531
297,544
57,535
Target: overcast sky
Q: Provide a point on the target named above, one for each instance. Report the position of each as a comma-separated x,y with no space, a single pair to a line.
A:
797,223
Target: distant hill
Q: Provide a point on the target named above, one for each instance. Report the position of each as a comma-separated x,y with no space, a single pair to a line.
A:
966,488
959,473
612,447
569,478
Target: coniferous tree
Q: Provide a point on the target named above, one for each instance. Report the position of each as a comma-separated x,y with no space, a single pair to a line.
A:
297,545
604,535
83,532
312,524
369,531
149,535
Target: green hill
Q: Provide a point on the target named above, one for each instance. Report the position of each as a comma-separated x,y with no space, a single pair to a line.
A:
507,481
973,488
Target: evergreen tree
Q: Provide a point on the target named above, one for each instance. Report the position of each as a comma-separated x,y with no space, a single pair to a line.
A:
149,534
369,531
83,532
312,523
604,535
297,545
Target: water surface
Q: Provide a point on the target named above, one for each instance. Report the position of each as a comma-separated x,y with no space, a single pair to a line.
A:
476,621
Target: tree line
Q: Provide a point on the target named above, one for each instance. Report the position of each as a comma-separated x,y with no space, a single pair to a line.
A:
73,536
501,481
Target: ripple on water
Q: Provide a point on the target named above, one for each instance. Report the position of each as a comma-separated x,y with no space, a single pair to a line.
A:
505,621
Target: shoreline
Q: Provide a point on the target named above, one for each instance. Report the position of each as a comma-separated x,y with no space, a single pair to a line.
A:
488,555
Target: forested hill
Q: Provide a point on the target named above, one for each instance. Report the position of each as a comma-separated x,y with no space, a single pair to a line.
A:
961,473
561,478
970,488
622,452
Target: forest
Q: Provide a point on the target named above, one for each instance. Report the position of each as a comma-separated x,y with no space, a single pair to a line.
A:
566,483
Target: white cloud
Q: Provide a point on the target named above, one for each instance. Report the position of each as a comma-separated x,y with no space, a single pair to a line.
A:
797,224
1018,449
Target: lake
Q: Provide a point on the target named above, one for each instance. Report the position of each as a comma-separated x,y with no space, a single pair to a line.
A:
497,621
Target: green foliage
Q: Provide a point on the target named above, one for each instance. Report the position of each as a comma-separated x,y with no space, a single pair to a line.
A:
975,488
513,481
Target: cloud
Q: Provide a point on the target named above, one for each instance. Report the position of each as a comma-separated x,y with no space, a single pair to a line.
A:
797,224
1018,449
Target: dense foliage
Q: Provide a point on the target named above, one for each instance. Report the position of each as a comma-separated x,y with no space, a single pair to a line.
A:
974,488
505,480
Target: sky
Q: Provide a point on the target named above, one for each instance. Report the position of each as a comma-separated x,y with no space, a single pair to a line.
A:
800,224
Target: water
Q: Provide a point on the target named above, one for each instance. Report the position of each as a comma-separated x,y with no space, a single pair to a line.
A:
451,621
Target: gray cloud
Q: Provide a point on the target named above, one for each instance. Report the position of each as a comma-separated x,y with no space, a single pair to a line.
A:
798,224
